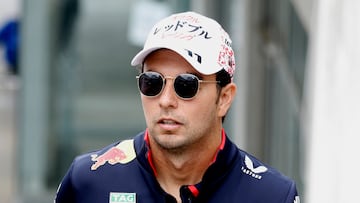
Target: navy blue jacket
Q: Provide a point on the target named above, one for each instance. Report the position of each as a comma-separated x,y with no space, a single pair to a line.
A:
123,172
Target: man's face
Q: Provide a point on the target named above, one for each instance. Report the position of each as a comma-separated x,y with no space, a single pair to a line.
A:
175,124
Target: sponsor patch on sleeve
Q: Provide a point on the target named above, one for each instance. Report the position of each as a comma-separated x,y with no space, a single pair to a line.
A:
122,153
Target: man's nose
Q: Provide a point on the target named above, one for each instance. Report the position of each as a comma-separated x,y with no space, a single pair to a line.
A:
168,97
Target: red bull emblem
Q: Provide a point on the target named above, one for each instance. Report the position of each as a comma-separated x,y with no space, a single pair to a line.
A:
122,153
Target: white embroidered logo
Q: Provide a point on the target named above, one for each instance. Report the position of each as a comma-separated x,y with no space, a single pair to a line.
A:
251,171
122,197
297,199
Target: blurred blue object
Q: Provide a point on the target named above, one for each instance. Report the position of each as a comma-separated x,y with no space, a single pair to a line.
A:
9,37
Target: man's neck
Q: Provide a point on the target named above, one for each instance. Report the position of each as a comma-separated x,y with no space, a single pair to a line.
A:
185,168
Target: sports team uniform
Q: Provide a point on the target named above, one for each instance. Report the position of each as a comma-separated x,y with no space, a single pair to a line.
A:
123,172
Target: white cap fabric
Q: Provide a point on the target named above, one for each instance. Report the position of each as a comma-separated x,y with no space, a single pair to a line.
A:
200,40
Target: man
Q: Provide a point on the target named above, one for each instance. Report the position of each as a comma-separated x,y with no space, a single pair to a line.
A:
9,38
184,155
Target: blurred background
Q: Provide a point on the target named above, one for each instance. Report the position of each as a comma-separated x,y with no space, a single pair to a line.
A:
67,87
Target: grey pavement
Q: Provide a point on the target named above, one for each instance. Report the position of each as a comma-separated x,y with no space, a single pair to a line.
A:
8,92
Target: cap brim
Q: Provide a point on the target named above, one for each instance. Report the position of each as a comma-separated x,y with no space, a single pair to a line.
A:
141,56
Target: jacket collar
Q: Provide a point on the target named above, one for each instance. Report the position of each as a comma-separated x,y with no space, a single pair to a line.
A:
217,171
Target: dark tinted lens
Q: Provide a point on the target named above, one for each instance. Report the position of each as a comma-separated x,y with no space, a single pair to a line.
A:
150,83
186,85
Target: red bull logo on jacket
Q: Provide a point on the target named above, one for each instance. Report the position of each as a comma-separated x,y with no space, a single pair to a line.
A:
122,153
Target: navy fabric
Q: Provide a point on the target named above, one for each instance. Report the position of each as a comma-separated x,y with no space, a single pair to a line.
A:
234,177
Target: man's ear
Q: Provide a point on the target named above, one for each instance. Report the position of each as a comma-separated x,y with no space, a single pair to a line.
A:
226,98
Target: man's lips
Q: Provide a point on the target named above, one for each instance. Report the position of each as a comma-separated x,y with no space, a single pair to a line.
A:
169,124
169,121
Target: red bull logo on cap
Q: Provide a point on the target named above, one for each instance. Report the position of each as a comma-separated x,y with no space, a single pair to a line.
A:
123,153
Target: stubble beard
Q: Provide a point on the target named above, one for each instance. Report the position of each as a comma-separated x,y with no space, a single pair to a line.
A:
178,144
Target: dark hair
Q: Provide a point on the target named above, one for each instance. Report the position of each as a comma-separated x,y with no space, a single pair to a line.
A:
224,78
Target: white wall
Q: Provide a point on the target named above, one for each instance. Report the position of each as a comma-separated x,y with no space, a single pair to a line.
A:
9,9
331,111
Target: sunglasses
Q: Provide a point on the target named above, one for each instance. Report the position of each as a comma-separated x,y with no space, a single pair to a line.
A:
186,85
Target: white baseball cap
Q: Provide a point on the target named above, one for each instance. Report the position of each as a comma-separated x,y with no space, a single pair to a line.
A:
198,39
